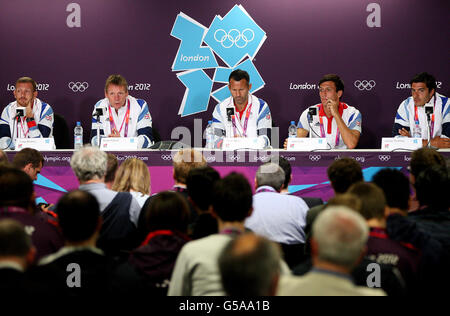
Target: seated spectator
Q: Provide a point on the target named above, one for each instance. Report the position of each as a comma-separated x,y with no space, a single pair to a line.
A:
3,157
250,266
338,245
119,210
17,202
111,170
200,182
80,222
286,166
278,217
183,161
342,173
30,161
133,176
167,222
380,247
196,271
16,255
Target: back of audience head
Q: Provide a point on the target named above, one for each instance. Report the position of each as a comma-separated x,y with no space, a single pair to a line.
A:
423,158
286,166
3,157
111,169
339,237
30,161
343,173
133,175
270,174
232,198
79,216
372,199
250,266
89,163
185,160
200,182
348,200
15,243
396,188
16,188
432,187
168,211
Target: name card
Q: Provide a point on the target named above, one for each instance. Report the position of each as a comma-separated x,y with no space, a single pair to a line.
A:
306,144
119,143
396,143
234,143
35,143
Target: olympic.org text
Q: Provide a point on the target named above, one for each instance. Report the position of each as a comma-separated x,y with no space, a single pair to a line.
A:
57,158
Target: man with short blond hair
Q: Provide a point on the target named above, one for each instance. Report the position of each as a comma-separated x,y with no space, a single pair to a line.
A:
123,115
37,119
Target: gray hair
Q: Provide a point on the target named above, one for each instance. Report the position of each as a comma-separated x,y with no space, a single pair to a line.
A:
89,163
249,265
341,235
270,174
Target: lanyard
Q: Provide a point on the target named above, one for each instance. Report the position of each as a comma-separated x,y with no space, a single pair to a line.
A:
21,127
265,189
322,129
231,231
125,119
247,116
154,234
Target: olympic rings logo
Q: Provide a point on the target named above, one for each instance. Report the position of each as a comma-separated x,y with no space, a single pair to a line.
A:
234,37
78,86
211,159
233,158
166,157
384,157
365,84
315,157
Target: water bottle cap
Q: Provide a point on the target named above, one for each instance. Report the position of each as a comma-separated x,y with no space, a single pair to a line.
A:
78,123
209,122
293,122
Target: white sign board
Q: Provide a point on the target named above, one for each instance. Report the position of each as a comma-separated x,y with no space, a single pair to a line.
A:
306,144
119,143
234,143
35,143
398,143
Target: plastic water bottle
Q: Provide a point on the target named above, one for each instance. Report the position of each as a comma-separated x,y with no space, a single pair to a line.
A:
417,132
209,136
78,136
292,130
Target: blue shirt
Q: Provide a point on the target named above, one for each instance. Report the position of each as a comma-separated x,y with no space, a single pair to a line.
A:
278,217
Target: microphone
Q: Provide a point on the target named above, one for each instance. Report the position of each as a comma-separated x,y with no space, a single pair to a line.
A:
429,110
311,112
98,112
230,113
20,112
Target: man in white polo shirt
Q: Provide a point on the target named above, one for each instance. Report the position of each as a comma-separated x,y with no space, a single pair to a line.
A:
123,115
332,119
242,114
411,118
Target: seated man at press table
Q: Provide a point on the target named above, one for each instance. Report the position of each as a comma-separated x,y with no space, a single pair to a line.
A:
332,119
411,119
121,115
242,114
37,118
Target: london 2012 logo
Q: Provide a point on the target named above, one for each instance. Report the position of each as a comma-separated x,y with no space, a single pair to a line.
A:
235,39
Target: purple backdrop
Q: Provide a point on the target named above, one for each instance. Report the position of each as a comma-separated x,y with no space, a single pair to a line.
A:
305,39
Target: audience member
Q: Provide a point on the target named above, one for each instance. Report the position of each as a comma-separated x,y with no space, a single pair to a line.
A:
119,210
199,183
80,222
167,222
396,188
286,166
133,176
278,217
338,245
30,161
3,157
16,255
250,266
380,247
111,170
196,271
17,202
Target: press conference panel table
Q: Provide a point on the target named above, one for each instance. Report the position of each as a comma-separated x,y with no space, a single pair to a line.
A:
309,176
